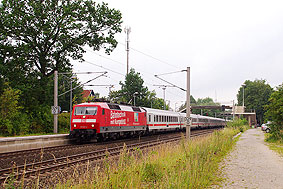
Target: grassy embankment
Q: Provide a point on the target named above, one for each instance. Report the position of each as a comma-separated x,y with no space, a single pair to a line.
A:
274,143
191,164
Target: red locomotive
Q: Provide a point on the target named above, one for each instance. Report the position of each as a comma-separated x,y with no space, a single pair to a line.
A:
104,120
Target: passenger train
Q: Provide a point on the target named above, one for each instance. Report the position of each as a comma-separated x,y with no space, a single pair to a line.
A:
102,120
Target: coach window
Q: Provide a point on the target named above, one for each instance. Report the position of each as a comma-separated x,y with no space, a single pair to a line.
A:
149,118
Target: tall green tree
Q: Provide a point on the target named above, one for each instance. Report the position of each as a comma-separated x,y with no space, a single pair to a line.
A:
256,95
133,91
274,112
192,102
39,37
204,102
12,120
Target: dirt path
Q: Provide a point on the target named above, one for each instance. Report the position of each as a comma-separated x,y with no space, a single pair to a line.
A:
252,164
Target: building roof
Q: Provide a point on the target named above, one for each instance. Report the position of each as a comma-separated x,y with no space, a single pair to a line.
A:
87,93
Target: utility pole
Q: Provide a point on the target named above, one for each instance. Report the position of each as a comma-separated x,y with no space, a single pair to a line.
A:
127,31
188,107
233,110
164,103
55,130
244,95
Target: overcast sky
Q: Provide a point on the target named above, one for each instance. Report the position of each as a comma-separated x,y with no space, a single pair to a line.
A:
224,42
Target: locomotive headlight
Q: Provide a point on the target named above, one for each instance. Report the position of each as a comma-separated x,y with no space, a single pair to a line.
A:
75,125
92,125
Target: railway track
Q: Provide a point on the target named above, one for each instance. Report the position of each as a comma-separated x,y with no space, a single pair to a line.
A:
23,153
45,167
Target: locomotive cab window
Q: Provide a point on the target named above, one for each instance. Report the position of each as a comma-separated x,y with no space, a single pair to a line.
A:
103,111
85,110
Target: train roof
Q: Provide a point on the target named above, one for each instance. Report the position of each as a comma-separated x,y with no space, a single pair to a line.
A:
113,106
161,112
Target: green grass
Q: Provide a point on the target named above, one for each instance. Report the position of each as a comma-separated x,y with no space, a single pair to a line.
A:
190,164
276,145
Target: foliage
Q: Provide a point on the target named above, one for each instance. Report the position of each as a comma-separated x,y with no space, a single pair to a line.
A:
45,34
42,120
206,102
274,113
183,106
12,121
256,96
64,85
190,164
64,122
276,145
133,91
39,37
203,102
238,123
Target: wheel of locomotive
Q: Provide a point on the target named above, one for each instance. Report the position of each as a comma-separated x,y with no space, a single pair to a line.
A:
99,137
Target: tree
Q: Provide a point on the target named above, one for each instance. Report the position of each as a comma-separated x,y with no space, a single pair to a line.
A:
203,102
274,112
256,96
183,106
206,102
12,121
133,90
47,33
39,37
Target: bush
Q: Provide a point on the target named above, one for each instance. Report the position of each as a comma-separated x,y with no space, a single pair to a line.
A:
274,113
238,123
42,120
64,122
12,120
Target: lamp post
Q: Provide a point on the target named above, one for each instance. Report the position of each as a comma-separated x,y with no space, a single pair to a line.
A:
136,93
243,94
168,104
176,105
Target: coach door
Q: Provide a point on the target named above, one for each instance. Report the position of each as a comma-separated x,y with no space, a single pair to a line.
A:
150,119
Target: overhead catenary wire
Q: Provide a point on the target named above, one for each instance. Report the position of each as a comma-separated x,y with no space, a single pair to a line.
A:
148,55
83,84
103,67
151,74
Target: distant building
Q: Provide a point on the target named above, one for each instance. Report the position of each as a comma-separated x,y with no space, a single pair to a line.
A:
88,93
250,116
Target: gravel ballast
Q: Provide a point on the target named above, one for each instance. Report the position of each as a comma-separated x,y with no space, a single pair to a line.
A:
252,164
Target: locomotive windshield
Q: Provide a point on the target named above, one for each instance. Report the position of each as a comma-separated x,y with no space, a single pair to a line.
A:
89,110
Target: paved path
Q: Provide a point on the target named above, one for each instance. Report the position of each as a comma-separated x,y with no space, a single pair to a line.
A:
252,164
